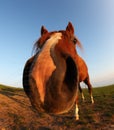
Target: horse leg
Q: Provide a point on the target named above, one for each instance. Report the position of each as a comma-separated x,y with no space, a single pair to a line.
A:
77,110
87,82
80,89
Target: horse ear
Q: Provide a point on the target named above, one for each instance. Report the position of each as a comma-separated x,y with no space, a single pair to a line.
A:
43,30
70,28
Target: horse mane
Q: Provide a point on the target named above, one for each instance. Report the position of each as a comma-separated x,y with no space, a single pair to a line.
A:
35,47
45,35
79,44
41,41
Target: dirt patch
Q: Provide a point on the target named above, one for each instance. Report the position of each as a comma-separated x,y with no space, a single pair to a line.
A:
16,113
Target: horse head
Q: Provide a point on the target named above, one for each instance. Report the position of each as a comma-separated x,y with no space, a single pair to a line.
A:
50,77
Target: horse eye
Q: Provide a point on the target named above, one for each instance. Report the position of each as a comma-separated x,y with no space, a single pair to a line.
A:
74,40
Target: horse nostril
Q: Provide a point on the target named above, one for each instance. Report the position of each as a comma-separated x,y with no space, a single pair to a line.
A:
71,73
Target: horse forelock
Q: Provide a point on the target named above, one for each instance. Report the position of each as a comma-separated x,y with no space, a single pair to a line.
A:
42,40
52,41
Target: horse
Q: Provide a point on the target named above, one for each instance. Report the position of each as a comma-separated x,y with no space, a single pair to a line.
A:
50,77
84,77
82,67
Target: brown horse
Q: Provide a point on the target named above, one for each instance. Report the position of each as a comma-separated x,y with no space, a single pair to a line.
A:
50,77
82,67
84,76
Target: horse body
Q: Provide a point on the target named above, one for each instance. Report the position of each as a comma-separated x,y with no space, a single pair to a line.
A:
82,68
84,76
50,78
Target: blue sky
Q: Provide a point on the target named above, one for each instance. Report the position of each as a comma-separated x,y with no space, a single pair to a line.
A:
20,23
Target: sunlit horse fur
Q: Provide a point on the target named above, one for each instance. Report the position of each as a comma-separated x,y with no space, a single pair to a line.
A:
82,67
84,76
83,72
50,77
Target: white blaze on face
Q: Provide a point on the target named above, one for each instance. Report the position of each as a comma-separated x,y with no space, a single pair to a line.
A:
44,66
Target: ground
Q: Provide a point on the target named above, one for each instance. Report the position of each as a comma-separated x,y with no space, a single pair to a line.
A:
16,112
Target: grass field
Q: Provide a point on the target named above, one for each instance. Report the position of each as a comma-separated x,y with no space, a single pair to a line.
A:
16,112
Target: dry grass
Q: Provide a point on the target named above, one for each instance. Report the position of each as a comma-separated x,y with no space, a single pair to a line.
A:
16,112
